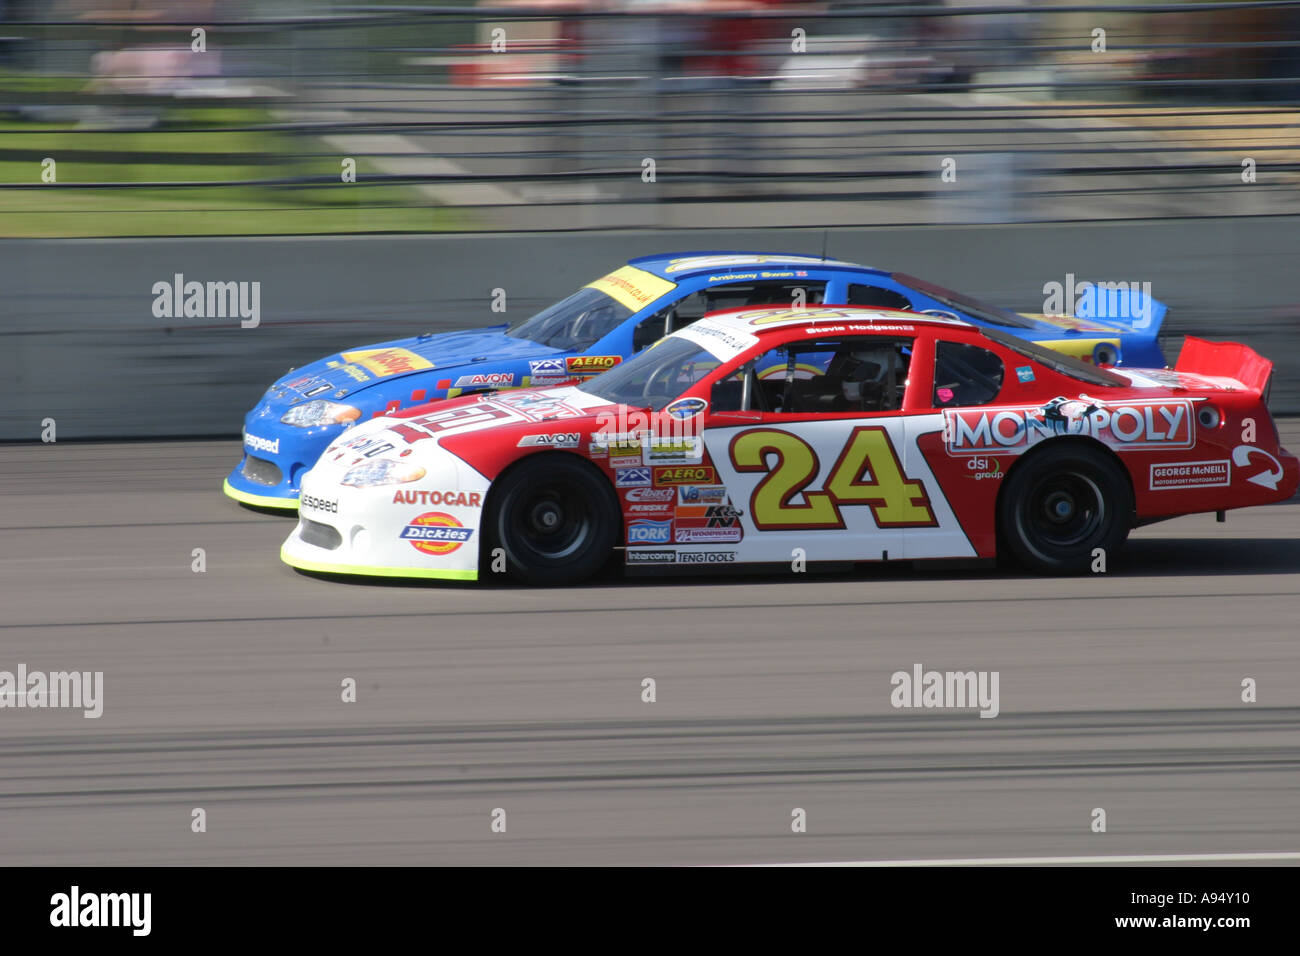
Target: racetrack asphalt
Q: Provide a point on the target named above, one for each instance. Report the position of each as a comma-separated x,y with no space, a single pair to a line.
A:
1119,691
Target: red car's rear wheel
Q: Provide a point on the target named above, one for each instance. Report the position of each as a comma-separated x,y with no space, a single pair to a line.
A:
1062,504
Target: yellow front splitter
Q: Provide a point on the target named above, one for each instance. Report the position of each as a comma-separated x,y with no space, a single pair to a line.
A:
260,501
326,567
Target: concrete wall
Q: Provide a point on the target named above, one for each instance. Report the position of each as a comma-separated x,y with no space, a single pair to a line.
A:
80,343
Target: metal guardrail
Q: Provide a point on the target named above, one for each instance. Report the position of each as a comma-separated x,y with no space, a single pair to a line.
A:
516,117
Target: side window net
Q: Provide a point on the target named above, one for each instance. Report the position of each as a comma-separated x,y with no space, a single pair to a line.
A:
965,375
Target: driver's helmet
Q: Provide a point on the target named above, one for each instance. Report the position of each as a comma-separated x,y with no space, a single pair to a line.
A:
862,373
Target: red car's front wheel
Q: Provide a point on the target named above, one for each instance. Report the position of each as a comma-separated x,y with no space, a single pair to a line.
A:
555,518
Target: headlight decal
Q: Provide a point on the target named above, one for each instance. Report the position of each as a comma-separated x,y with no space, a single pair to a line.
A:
320,412
382,471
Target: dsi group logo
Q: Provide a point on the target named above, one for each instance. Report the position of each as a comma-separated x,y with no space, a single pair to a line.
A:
436,533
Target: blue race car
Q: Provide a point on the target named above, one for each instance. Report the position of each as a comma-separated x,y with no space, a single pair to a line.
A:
615,317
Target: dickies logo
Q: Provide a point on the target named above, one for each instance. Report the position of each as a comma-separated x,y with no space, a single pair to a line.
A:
436,533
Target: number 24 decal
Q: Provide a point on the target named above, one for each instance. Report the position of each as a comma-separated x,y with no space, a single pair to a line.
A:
866,473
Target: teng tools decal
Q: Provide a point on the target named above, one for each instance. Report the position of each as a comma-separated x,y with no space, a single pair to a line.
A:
1166,424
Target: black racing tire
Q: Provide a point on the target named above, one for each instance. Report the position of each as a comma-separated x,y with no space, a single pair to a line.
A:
556,518
1060,504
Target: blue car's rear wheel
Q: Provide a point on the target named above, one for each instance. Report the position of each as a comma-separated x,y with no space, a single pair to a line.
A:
556,519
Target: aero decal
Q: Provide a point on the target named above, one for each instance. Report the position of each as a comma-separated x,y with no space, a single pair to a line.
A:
591,364
867,472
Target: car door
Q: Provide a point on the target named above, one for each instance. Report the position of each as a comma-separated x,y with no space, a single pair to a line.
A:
810,457
961,490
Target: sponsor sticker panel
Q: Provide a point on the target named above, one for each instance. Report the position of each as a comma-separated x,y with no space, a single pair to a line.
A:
554,440
435,533
1191,474
631,477
258,443
648,531
674,475
1161,423
383,362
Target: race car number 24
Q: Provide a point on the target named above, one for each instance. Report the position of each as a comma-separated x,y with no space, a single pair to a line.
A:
867,472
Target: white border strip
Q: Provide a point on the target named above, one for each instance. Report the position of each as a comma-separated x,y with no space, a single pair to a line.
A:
1064,860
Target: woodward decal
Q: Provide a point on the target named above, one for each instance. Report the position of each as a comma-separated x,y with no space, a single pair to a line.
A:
721,535
1166,423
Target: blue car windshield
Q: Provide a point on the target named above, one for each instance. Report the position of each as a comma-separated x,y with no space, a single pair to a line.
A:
575,323
655,377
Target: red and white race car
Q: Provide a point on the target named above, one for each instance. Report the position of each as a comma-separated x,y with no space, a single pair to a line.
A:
778,435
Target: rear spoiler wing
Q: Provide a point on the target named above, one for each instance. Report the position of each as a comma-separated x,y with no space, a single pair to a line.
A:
1121,305
1226,360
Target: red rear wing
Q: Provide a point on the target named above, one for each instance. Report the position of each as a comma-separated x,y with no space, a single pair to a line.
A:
1225,359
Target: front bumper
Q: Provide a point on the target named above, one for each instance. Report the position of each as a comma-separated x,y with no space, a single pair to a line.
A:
415,530
248,497
275,458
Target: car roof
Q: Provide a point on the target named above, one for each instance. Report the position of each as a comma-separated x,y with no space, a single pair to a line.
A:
759,320
677,265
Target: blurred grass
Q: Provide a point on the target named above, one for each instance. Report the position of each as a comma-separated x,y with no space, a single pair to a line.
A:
202,145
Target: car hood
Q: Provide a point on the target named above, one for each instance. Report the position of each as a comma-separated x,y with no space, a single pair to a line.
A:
422,431
355,370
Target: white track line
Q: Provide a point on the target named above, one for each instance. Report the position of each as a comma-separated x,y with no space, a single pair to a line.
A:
1064,860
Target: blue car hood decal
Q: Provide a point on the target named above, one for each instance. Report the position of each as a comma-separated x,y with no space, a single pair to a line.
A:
433,357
